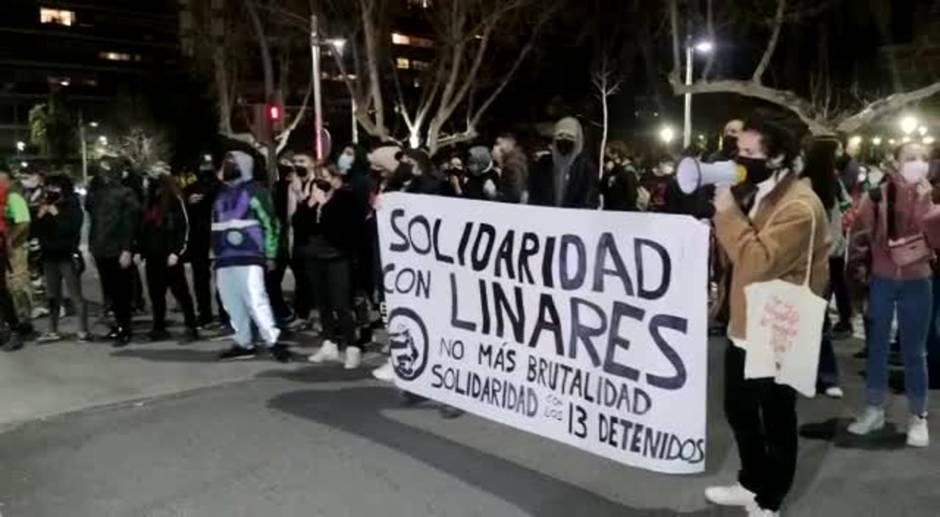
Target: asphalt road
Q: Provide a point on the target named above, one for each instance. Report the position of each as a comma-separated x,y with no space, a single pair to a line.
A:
318,441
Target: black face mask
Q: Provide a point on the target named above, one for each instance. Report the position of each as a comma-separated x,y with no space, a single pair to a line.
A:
565,147
729,146
301,172
757,170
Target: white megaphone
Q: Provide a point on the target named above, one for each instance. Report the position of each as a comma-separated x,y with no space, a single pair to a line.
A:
693,174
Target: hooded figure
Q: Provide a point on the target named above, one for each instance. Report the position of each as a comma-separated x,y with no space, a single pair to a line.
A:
244,241
566,178
114,212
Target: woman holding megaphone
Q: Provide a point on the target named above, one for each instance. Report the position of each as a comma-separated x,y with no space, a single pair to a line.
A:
770,233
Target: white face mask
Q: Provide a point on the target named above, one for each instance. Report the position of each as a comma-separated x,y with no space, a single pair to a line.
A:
914,171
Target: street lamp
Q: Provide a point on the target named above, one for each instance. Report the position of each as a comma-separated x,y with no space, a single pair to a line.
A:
855,141
667,134
908,124
929,140
703,47
316,42
21,146
922,130
876,140
93,124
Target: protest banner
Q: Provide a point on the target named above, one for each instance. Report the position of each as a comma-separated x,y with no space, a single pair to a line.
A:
582,326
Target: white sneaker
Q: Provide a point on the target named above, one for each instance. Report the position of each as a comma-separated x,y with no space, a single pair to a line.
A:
872,420
386,372
734,495
917,434
756,511
834,392
327,352
353,357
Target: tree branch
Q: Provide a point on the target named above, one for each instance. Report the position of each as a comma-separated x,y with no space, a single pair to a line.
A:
783,98
886,105
772,43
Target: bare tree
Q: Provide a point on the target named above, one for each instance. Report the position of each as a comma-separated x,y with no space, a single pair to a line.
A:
818,118
464,76
607,84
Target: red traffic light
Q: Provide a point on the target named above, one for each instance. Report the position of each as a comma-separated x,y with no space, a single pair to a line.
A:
274,112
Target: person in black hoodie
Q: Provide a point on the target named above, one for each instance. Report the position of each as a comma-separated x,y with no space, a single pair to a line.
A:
114,213
200,196
58,227
162,243
328,226
566,177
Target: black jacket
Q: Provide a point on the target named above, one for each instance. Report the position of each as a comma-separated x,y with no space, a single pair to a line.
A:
581,189
620,187
200,214
337,232
59,235
114,213
164,232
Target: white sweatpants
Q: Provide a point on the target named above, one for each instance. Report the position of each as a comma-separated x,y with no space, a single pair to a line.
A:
245,299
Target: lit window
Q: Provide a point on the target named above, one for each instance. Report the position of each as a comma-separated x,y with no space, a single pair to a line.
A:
56,16
411,41
419,65
402,63
419,4
114,56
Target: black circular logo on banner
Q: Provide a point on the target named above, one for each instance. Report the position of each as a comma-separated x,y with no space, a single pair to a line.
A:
408,338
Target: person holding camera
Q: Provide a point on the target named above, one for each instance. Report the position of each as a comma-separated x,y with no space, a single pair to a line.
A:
327,226
59,228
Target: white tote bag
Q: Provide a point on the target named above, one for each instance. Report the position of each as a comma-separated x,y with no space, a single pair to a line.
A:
784,328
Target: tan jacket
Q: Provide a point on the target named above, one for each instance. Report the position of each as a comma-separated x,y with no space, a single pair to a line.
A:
766,248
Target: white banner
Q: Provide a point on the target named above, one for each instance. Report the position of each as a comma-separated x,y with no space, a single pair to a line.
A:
582,326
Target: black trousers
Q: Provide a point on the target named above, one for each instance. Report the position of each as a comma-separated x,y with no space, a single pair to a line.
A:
332,279
273,282
762,415
118,285
161,277
840,289
202,283
303,289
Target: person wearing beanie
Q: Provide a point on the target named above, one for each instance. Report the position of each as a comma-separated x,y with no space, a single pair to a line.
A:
244,242
566,177
481,180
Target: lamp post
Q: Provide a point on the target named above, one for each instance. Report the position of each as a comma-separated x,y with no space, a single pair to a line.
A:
316,40
703,47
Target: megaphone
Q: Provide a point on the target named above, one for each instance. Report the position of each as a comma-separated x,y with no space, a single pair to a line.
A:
693,174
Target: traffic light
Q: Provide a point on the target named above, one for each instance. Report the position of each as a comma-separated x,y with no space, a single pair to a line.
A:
274,113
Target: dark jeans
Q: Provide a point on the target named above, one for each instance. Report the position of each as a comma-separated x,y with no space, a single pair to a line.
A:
161,277
57,271
303,289
840,289
118,285
933,337
762,415
828,372
273,281
202,283
333,280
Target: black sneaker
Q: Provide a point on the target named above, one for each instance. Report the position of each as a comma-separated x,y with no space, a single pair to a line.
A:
281,354
14,343
112,334
123,339
237,353
157,335
191,336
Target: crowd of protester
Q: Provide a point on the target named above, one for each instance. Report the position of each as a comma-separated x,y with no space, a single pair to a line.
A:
241,233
